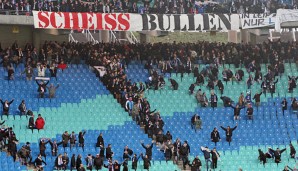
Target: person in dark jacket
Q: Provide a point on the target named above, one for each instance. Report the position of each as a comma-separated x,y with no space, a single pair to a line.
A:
31,124
148,149
146,161
207,155
127,153
249,112
65,138
237,110
65,159
184,152
109,152
284,105
215,137
6,105
134,164
262,157
42,146
292,151
272,87
292,83
54,147
22,108
42,88
213,100
100,141
73,162
78,161
98,162
220,86
82,139
38,162
215,157
196,164
277,154
191,89
226,101
174,84
229,132
257,98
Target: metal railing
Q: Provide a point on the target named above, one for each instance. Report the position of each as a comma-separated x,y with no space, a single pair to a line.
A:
71,38
112,36
90,37
132,37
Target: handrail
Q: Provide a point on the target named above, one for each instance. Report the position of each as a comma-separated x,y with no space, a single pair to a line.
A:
71,38
112,36
133,37
90,37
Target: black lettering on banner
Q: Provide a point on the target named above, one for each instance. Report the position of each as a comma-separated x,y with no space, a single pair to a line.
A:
246,22
260,21
226,20
191,23
177,22
161,23
206,25
151,21
212,21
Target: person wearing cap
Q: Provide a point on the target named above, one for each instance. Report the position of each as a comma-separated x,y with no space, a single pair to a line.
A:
127,153
229,132
249,111
39,123
207,154
98,162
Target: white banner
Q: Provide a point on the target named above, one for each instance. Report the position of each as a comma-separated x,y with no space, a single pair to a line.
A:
285,15
257,20
136,22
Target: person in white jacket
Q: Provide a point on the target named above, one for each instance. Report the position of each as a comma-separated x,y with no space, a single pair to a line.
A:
41,70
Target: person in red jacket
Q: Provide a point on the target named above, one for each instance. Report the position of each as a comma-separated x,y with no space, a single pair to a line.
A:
39,123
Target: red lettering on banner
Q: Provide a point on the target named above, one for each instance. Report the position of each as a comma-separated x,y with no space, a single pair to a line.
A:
90,21
53,20
43,19
75,21
99,21
66,20
110,20
123,22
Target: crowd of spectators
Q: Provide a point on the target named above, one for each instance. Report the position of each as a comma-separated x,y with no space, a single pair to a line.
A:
20,7
176,57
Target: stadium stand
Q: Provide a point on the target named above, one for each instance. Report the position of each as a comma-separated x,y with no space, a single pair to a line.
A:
83,103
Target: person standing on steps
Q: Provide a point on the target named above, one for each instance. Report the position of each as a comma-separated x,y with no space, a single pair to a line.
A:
215,158
207,155
229,132
215,137
6,106
148,149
